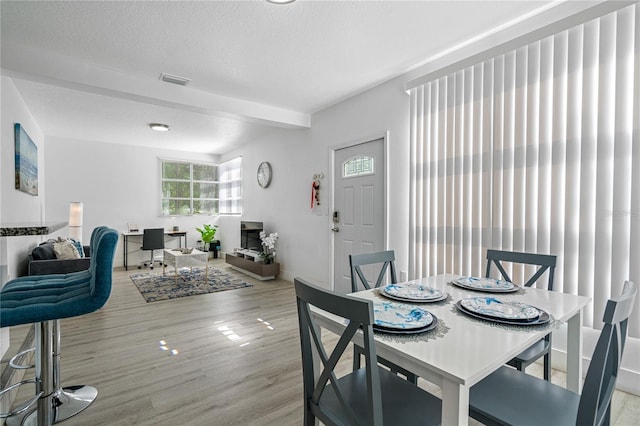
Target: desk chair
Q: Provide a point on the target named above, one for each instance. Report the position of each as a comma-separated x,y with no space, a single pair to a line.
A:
510,397
545,262
387,259
152,239
368,396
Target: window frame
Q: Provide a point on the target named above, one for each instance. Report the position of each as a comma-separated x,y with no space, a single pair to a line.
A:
227,193
191,181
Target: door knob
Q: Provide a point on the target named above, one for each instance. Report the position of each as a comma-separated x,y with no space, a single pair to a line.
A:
335,229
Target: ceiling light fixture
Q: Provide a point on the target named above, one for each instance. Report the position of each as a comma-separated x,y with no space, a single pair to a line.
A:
159,127
281,1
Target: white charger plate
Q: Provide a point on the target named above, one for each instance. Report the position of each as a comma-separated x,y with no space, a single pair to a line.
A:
496,308
544,318
387,330
413,291
491,285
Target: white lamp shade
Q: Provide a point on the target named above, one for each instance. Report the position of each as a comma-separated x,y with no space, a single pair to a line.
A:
75,214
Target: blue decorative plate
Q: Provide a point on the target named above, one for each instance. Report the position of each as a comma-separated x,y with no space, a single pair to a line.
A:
400,316
413,292
496,308
430,327
485,284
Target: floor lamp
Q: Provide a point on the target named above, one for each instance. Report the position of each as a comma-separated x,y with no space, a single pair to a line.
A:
75,220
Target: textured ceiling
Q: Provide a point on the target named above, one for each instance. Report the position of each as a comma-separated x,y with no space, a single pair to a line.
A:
89,69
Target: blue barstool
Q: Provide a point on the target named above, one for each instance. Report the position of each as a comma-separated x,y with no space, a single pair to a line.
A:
46,299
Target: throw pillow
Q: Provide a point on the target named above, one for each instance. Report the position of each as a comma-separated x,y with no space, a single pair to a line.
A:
43,252
78,246
65,249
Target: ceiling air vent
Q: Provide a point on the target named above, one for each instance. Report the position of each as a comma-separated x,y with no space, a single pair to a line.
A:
174,79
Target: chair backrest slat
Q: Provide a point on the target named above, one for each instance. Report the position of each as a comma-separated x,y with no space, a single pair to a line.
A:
545,262
356,261
599,383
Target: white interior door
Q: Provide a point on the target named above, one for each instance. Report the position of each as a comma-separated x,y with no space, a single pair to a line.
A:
359,207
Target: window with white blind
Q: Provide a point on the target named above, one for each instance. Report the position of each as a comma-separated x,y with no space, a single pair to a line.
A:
535,150
231,186
189,188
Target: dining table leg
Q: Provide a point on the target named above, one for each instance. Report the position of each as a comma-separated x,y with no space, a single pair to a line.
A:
455,403
574,352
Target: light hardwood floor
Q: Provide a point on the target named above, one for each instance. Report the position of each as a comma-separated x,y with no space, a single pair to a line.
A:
229,358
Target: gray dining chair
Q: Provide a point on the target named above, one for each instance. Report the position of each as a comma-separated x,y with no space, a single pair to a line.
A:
385,258
545,263
510,397
359,282
368,396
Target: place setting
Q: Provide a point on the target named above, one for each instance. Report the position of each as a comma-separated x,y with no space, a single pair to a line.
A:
487,285
413,292
503,312
401,318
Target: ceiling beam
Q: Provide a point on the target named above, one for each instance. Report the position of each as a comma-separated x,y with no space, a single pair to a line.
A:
58,70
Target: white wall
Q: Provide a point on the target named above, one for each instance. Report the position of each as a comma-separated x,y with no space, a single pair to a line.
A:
16,206
118,184
304,248
283,207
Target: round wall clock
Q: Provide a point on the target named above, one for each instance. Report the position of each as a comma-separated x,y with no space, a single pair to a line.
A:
264,174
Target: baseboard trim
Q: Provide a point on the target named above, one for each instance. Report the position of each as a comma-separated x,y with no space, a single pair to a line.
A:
628,380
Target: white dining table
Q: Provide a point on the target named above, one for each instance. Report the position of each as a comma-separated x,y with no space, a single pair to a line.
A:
463,350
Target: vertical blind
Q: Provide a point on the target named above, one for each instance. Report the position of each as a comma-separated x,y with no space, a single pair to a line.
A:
535,150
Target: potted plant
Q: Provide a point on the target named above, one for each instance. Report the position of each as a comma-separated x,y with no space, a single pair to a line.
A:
207,234
268,254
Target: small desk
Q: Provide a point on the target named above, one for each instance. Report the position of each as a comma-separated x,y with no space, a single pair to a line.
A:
126,235
469,349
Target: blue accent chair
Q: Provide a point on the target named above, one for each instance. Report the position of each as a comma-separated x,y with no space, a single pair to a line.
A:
44,300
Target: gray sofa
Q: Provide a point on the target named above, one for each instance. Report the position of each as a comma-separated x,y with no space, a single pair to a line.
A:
43,261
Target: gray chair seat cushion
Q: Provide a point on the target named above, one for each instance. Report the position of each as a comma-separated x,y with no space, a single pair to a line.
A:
522,400
403,403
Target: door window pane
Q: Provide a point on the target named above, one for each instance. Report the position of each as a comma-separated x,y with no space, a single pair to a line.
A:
358,166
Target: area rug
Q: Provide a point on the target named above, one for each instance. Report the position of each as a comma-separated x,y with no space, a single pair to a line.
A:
155,287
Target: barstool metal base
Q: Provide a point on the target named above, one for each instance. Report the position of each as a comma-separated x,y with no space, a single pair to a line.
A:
71,400
67,402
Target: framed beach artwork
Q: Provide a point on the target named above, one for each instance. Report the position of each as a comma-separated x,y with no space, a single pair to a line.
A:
26,161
